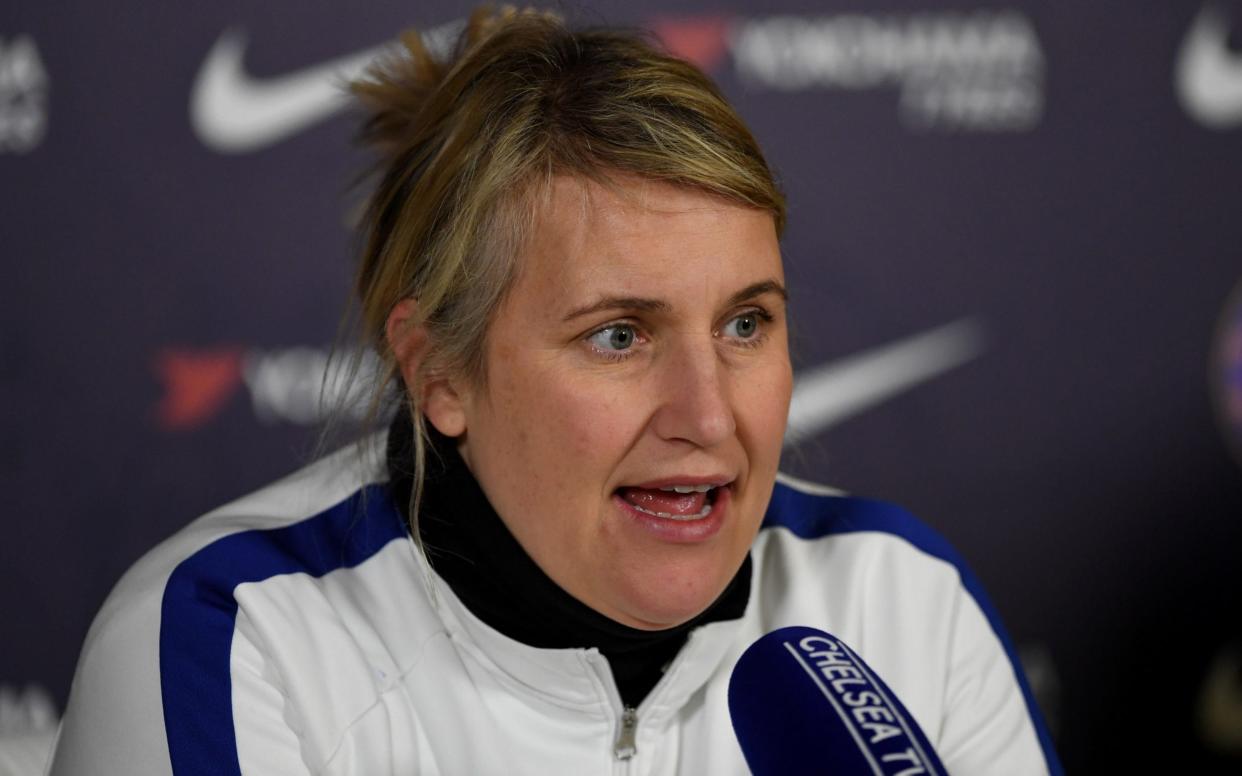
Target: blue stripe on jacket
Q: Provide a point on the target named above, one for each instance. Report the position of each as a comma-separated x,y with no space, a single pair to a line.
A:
811,516
198,614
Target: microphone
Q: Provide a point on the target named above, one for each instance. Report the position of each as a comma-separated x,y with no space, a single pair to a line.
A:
803,702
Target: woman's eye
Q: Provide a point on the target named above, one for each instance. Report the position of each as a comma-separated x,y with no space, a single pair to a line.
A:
744,326
614,338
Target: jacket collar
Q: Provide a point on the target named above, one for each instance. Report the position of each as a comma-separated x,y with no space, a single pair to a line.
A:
579,678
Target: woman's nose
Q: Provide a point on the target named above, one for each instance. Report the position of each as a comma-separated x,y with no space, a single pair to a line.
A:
695,401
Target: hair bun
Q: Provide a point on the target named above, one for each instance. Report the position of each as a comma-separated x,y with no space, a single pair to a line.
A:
396,87
394,90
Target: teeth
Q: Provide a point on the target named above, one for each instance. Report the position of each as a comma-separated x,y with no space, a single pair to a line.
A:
702,513
688,488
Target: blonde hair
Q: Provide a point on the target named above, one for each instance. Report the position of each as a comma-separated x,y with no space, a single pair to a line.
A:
466,141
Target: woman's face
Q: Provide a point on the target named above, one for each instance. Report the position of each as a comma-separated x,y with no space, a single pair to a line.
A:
641,349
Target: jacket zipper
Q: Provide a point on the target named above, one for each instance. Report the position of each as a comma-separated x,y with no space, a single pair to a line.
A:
625,746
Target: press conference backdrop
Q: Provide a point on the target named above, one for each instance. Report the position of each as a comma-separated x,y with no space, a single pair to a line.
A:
1014,250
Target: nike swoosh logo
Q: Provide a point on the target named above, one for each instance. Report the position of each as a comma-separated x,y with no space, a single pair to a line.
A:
1208,75
232,112
835,392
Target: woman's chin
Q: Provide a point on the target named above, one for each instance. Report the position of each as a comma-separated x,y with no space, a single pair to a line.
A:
659,602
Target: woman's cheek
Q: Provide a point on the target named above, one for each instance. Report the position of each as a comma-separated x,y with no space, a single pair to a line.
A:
588,412
591,427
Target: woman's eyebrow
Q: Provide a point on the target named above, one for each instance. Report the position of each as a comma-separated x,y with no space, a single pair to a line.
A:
621,303
758,289
647,304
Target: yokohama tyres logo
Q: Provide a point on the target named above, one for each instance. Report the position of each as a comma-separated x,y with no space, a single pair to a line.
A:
300,385
980,71
977,71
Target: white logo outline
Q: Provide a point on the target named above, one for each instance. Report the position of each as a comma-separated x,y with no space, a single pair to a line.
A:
232,112
834,392
1208,74
24,83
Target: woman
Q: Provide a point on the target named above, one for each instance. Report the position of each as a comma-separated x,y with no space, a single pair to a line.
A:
552,560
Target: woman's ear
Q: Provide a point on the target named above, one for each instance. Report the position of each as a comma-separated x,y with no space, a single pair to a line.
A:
438,396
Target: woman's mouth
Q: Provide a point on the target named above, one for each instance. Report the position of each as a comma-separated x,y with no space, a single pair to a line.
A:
678,512
673,502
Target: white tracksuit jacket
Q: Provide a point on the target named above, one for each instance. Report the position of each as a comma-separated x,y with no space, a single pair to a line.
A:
299,631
